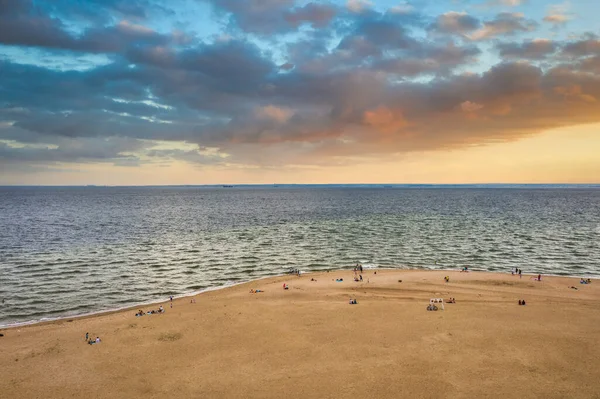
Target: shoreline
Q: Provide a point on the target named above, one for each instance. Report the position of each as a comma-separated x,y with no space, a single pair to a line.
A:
4,327
127,307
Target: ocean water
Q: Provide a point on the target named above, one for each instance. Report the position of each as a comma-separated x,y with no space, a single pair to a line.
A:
77,250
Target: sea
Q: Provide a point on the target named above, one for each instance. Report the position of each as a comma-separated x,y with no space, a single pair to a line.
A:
69,251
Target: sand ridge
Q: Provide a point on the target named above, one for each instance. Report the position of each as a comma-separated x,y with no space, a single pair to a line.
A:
308,342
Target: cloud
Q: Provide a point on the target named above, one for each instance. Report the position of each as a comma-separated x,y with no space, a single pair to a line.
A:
266,17
505,23
578,48
556,18
358,6
509,3
318,15
512,3
536,49
273,113
559,14
468,106
429,60
22,24
313,84
455,23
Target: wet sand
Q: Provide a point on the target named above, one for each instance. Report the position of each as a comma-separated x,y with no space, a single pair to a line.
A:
309,342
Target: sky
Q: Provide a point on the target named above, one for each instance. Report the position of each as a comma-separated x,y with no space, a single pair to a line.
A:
148,92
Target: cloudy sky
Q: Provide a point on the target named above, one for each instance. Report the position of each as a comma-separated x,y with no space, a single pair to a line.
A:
291,91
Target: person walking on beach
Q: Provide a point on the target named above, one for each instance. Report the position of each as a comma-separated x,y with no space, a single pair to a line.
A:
520,275
87,336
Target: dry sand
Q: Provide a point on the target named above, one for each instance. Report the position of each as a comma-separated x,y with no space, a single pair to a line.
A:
308,342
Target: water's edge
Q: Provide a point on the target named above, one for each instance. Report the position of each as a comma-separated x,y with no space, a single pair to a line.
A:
230,285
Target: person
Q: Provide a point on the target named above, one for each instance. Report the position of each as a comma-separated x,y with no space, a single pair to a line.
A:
87,336
520,302
447,278
520,275
360,277
523,302
97,340
161,309
539,277
285,286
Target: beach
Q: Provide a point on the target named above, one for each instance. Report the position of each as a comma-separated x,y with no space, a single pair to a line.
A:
309,342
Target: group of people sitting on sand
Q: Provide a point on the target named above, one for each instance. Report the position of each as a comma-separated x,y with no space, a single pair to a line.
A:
522,302
253,291
465,269
432,307
451,300
285,286
586,281
141,312
353,302
93,341
359,278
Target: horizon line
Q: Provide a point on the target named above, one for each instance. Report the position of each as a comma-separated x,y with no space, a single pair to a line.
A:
384,185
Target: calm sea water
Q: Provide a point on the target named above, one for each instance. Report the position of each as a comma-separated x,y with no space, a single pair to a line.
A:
69,251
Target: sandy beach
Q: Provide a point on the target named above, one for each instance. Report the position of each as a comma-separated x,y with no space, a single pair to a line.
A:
309,342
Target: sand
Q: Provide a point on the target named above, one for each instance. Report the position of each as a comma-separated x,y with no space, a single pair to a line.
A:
309,342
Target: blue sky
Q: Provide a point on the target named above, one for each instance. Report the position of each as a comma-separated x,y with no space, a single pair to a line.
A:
215,90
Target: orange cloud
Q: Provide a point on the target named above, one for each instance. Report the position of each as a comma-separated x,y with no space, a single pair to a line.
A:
384,119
